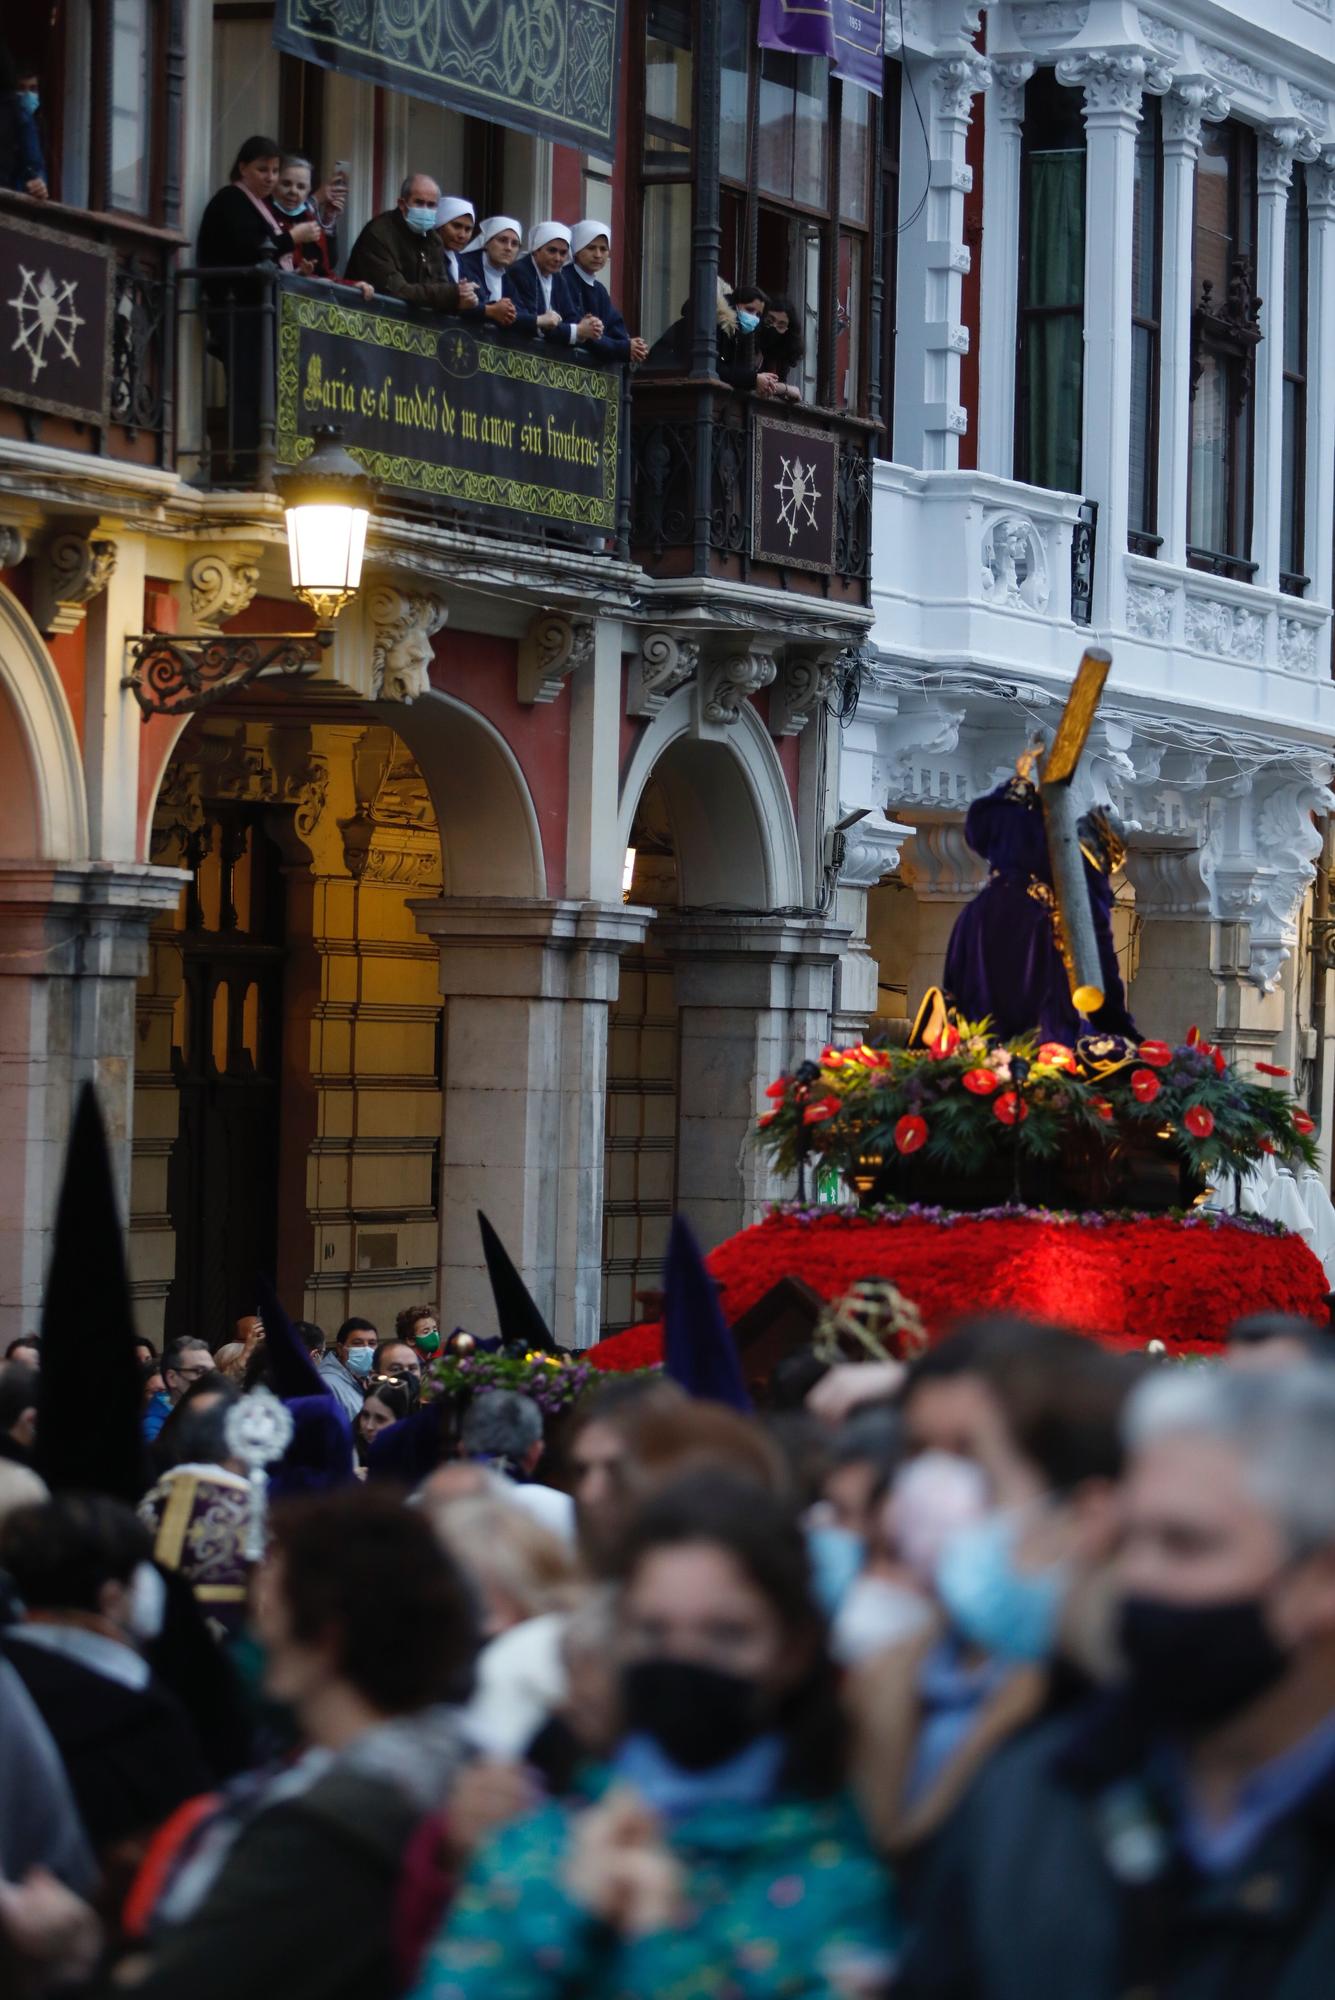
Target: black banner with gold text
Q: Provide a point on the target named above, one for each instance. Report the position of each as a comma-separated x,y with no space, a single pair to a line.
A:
544,66
438,412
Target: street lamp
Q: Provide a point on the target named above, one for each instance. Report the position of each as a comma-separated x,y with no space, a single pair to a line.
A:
327,502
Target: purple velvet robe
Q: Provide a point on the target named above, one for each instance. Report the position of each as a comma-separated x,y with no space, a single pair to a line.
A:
1002,960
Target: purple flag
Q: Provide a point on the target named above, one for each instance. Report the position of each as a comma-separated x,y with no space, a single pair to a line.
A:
804,26
859,41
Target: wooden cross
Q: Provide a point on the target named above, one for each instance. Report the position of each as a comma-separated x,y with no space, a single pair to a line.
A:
1061,819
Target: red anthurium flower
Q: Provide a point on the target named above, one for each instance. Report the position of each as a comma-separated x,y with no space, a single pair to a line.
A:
982,1082
766,1118
1302,1123
1157,1054
1220,1061
1193,1037
833,1058
1010,1108
1199,1121
1103,1109
1057,1056
779,1087
823,1108
1267,1145
1272,1069
873,1058
1145,1086
945,1044
910,1133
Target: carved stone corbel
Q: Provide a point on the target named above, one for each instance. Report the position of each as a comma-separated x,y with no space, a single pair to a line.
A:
664,662
402,627
805,680
554,645
72,572
13,545
730,680
222,582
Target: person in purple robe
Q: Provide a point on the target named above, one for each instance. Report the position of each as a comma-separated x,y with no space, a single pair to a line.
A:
1004,960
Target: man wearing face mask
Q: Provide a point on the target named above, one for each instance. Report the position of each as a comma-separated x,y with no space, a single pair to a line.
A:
82,1568
400,253
347,1366
1177,1838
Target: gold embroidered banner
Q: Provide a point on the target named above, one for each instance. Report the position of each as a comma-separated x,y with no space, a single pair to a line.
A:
544,66
437,411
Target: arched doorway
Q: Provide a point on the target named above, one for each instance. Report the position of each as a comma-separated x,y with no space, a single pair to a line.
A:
712,1001
288,1074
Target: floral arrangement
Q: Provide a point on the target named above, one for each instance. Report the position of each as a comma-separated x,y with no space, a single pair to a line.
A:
966,1101
1125,1279
552,1381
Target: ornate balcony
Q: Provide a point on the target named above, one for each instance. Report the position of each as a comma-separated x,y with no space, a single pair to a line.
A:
85,358
491,436
734,488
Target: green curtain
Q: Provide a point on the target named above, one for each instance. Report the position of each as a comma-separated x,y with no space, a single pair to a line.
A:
1052,362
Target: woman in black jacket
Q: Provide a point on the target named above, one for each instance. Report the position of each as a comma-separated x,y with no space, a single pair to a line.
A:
240,228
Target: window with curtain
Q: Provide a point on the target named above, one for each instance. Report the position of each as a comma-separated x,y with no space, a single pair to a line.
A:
1225,333
1291,523
1146,285
1050,346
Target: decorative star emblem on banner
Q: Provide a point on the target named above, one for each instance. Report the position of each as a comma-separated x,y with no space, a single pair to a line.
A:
798,494
45,310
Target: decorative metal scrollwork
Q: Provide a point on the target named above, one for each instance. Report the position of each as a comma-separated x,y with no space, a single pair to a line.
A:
170,675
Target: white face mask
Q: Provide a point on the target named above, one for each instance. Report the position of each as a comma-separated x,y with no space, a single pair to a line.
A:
147,1606
877,1614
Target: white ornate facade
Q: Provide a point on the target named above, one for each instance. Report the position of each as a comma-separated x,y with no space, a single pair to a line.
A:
1214,741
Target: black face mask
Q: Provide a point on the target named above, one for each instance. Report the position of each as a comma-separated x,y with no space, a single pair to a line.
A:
698,1716
1192,1666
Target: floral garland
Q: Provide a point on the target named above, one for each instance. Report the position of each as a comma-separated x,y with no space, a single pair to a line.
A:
967,1101
552,1381
1121,1278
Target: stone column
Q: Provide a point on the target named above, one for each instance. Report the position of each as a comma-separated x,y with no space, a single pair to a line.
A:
1001,266
527,986
73,941
755,997
1174,985
1191,100
1112,85
933,258
944,874
1320,509
113,725
1275,156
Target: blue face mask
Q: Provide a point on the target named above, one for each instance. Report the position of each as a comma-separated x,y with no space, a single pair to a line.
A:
1009,1612
283,208
748,322
360,1359
423,220
28,101
836,1555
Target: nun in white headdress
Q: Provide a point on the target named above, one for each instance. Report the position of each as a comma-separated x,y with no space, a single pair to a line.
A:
491,255
455,224
539,291
586,292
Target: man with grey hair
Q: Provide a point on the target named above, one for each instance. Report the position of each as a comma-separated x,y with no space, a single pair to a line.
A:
400,254
1178,1838
503,1428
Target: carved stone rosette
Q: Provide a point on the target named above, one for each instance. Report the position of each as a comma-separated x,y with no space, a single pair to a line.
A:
222,582
73,571
731,680
665,662
403,625
805,680
553,647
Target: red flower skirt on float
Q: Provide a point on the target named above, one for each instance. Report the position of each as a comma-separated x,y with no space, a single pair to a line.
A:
1124,1280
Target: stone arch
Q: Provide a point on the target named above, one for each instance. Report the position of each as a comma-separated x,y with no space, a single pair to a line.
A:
43,809
732,816
490,839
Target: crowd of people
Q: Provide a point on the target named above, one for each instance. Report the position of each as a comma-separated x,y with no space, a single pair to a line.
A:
433,252
1005,1670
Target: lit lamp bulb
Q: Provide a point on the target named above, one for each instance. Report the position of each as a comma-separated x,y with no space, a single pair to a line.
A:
327,502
